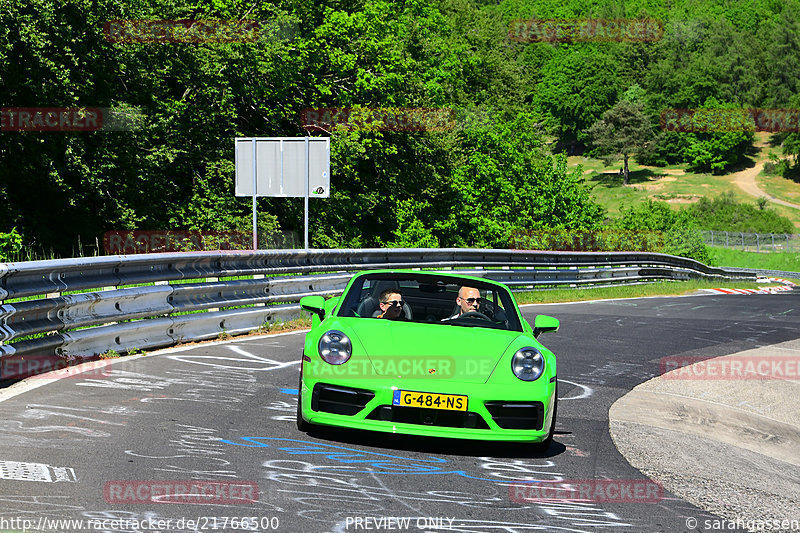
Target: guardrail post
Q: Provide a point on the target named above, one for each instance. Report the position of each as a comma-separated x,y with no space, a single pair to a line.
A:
758,246
742,241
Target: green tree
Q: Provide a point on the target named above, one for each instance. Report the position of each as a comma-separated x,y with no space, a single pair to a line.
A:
577,85
504,181
624,130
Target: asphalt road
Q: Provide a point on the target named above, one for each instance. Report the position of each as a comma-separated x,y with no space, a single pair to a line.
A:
94,446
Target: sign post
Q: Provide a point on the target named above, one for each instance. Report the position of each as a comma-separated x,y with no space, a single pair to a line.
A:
283,167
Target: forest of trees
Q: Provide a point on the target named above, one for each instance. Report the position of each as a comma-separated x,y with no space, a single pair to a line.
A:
472,184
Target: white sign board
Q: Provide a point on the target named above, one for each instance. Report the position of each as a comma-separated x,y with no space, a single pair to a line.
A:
280,164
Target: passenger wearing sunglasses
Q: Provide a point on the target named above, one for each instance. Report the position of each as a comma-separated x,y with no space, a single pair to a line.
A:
391,304
468,300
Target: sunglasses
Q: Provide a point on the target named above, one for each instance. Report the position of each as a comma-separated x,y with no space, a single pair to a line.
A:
394,302
471,301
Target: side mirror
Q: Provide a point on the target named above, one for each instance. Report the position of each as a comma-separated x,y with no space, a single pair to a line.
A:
543,324
313,304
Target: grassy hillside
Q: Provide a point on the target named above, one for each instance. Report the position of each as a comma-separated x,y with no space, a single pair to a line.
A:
676,186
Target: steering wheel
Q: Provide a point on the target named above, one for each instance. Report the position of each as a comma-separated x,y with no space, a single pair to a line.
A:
474,314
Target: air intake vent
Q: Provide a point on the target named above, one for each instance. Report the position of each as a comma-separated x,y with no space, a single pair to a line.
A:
339,400
517,415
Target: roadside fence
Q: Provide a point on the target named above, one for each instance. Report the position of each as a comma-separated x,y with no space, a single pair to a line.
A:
753,242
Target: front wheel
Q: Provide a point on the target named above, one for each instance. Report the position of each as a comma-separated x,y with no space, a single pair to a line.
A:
302,425
545,444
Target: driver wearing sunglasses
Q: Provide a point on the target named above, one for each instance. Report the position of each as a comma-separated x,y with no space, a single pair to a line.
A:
391,304
468,300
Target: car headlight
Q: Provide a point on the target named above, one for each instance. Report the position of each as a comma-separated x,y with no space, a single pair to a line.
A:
527,364
335,347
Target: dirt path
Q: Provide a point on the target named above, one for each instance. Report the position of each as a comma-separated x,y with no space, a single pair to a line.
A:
746,180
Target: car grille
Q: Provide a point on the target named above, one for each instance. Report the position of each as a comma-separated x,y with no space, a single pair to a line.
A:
428,417
517,415
339,400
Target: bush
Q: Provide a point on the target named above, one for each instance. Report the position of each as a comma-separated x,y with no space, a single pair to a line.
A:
704,144
725,213
10,244
681,235
685,239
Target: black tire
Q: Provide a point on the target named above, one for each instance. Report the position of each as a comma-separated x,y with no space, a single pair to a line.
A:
302,425
545,444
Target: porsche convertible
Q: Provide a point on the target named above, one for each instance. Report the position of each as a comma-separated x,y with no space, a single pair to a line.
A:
428,353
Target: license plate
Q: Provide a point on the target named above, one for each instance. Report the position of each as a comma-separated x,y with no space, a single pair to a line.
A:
430,400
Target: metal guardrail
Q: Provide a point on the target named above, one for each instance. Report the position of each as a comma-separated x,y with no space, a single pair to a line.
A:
753,242
75,308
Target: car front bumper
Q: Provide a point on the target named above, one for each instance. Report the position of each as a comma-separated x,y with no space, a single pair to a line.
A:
498,413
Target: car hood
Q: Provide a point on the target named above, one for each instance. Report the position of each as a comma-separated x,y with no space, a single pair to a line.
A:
432,351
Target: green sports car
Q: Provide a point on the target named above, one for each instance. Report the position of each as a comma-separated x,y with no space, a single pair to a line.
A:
427,353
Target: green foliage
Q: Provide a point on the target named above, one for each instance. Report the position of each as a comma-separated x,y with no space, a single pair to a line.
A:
780,260
10,244
110,354
470,186
411,231
681,229
577,85
624,130
681,234
684,239
724,213
714,151
617,240
502,182
705,151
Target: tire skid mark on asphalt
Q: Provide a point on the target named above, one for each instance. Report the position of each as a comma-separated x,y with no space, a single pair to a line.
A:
261,364
587,391
283,407
41,411
354,497
34,505
324,471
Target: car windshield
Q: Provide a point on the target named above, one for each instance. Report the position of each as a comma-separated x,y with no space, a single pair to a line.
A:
428,298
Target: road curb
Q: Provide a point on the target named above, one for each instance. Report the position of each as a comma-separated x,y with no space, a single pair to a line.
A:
728,445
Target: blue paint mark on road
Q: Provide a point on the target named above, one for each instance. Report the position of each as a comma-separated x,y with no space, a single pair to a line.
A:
289,391
373,462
